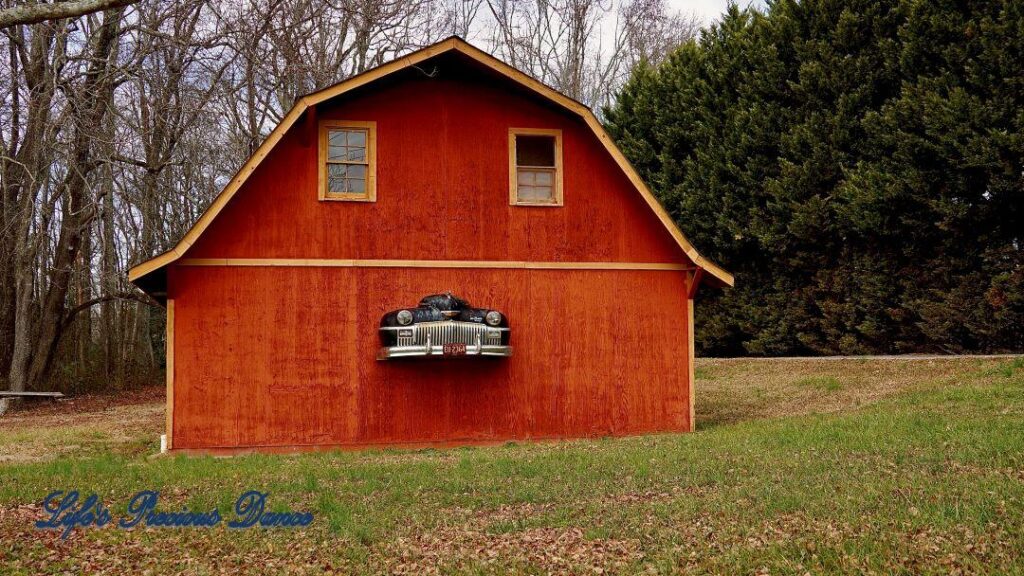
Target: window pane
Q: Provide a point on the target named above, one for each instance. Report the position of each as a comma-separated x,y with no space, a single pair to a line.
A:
346,178
336,177
357,138
336,145
535,185
356,171
526,177
346,145
536,194
535,150
347,166
356,154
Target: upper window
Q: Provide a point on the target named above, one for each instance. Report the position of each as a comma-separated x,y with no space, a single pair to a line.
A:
348,160
535,167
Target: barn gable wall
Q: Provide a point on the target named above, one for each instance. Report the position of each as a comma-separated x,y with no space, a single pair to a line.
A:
442,192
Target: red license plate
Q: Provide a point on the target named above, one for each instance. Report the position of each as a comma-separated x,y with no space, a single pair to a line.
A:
454,349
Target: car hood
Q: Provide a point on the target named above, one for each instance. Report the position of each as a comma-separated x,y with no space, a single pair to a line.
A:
446,301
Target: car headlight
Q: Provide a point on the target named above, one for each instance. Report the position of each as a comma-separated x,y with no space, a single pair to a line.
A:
493,318
404,317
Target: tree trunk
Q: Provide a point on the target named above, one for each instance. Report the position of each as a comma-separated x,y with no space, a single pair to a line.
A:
108,274
23,178
34,353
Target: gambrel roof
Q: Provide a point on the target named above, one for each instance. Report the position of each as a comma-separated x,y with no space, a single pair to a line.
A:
139,273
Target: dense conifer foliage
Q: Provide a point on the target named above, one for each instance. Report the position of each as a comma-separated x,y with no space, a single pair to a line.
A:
859,165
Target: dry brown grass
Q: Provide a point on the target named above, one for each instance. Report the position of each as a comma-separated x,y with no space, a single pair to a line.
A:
44,430
735,390
728,391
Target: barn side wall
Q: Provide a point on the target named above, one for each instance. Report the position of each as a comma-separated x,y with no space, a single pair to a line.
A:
285,356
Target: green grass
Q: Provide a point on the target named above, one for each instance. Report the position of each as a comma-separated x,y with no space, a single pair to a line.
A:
927,480
823,383
1006,369
703,373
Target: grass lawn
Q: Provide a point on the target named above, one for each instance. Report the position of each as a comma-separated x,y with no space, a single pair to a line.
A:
852,466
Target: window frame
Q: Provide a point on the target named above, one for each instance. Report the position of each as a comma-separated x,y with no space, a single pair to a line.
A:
513,175
370,192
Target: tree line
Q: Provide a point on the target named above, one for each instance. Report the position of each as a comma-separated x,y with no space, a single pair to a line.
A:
859,166
122,119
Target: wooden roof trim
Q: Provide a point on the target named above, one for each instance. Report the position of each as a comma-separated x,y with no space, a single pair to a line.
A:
463,47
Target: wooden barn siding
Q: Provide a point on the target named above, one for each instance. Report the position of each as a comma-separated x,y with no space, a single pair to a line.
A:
442,191
285,356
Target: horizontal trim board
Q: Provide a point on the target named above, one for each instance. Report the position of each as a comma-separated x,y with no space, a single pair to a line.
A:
501,264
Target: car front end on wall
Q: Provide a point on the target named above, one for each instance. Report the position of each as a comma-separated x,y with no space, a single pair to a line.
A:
443,325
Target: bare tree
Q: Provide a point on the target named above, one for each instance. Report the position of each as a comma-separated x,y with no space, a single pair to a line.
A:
38,324
288,48
34,13
583,48
458,17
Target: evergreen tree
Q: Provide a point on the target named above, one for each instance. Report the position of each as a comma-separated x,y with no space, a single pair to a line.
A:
859,166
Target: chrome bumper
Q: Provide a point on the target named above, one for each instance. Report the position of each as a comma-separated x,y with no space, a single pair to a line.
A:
414,351
421,344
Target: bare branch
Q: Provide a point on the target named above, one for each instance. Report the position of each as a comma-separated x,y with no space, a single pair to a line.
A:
32,13
132,296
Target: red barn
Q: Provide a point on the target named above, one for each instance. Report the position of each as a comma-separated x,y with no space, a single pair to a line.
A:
444,170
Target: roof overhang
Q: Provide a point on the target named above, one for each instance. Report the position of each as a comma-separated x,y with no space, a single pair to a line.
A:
140,274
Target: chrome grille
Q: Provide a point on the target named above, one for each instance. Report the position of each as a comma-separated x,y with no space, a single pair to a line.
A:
448,332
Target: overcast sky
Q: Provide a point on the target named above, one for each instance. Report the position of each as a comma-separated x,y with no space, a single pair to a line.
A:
708,9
